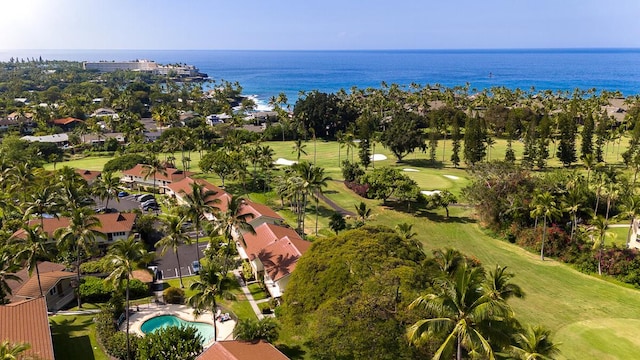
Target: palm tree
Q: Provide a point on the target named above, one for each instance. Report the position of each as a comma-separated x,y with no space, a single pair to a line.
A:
126,255
600,225
363,211
152,169
32,248
589,161
43,200
107,187
298,148
464,312
175,236
630,209
545,206
8,267
199,201
79,237
317,182
206,289
533,343
230,221
405,230
9,351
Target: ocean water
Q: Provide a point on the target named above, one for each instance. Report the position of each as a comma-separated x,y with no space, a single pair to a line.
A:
267,73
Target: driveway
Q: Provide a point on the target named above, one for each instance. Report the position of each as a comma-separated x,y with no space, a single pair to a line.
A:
125,204
168,265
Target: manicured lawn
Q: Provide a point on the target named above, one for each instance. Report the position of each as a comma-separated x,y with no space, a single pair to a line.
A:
187,281
74,337
257,292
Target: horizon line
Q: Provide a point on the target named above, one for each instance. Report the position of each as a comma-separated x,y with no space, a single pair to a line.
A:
340,50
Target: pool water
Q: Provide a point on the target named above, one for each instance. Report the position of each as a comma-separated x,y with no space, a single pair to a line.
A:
205,330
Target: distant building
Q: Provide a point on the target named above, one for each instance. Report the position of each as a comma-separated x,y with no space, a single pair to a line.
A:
67,124
138,175
179,70
216,119
61,140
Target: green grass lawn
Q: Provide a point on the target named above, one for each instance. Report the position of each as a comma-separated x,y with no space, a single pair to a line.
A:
74,337
257,292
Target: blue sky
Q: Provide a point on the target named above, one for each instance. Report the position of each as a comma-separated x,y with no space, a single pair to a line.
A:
323,25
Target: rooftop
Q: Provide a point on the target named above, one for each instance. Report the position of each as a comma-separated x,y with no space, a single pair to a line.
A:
240,350
27,321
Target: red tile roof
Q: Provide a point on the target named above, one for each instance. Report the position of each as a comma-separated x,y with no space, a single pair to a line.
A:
65,121
240,350
113,222
183,186
277,247
142,275
172,174
27,321
88,175
257,210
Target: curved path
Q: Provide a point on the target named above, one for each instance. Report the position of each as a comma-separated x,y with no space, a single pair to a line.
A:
335,206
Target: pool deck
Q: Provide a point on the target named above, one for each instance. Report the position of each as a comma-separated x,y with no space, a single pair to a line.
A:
146,312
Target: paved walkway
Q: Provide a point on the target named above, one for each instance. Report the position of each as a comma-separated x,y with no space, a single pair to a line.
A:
78,312
247,293
335,206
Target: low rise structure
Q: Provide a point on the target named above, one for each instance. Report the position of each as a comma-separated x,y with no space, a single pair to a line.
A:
141,176
27,322
242,350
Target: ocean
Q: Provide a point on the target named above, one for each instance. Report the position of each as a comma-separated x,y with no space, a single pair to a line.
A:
267,73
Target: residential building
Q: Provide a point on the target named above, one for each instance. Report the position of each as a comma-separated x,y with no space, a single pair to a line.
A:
90,176
56,285
259,214
62,140
180,70
27,322
66,124
241,350
179,189
139,176
218,119
114,226
103,112
273,252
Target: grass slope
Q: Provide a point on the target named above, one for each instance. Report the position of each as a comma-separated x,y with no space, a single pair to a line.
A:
74,337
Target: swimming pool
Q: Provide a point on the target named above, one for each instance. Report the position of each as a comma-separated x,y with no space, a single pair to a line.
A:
205,330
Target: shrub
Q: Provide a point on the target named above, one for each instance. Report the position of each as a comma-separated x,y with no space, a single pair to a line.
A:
360,189
138,289
173,295
265,308
94,290
96,266
351,172
171,343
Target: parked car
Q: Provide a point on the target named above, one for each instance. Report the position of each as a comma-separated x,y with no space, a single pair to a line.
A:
145,197
196,266
149,202
122,194
104,210
150,207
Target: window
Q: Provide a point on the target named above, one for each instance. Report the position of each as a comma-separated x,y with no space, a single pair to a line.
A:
53,291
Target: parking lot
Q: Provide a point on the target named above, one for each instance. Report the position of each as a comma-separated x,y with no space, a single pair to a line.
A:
168,264
122,204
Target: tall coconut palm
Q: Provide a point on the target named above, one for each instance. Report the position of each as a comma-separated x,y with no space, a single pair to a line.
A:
317,183
32,248
107,187
174,238
126,255
79,237
463,312
198,202
206,289
600,225
545,206
298,148
630,209
153,168
533,343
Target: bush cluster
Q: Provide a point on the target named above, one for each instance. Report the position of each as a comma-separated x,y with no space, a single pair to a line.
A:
96,266
97,290
173,295
114,341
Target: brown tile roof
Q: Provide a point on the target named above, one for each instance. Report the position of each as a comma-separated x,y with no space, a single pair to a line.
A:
240,350
183,186
65,121
27,321
143,275
277,247
48,280
257,210
113,222
43,267
172,175
88,175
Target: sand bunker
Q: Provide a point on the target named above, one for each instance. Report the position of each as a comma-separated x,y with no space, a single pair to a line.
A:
282,161
378,157
452,177
430,193
410,170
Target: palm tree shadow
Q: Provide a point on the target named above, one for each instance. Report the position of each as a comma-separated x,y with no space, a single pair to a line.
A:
67,346
275,265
